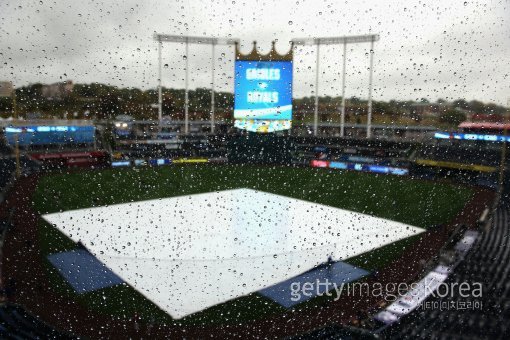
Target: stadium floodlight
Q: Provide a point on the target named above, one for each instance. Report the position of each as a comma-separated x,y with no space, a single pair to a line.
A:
352,39
161,38
194,40
355,39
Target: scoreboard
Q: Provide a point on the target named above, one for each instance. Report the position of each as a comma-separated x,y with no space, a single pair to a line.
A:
263,95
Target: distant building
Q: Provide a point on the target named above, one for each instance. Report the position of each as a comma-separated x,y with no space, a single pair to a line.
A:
424,109
57,90
483,117
6,88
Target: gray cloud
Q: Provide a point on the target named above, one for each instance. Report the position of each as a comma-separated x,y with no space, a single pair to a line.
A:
432,49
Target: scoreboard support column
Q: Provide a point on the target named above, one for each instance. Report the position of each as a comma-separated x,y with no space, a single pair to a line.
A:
316,108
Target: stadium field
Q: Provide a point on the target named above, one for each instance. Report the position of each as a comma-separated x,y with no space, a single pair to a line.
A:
391,197
417,203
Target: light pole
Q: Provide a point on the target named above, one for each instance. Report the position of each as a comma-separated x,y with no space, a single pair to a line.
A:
355,39
370,77
160,38
342,114
186,85
160,99
316,111
16,147
213,55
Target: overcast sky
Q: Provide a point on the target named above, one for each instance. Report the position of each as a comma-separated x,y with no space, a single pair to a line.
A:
428,49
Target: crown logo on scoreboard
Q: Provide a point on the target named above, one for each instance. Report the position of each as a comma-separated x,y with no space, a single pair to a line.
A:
273,54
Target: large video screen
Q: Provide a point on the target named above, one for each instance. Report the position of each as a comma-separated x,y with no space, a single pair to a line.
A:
263,95
49,135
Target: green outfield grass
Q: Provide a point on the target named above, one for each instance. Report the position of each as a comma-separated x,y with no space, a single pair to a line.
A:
401,199
418,203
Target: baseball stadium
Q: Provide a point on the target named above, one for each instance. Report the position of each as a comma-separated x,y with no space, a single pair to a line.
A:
254,215
226,245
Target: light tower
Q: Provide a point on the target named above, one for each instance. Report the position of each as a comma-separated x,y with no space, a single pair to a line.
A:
161,38
356,39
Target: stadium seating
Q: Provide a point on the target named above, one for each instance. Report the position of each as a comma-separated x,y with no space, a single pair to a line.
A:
465,152
5,149
488,263
191,146
383,153
7,167
254,148
16,323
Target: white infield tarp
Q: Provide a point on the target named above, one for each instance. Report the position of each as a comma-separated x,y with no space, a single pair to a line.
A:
188,253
